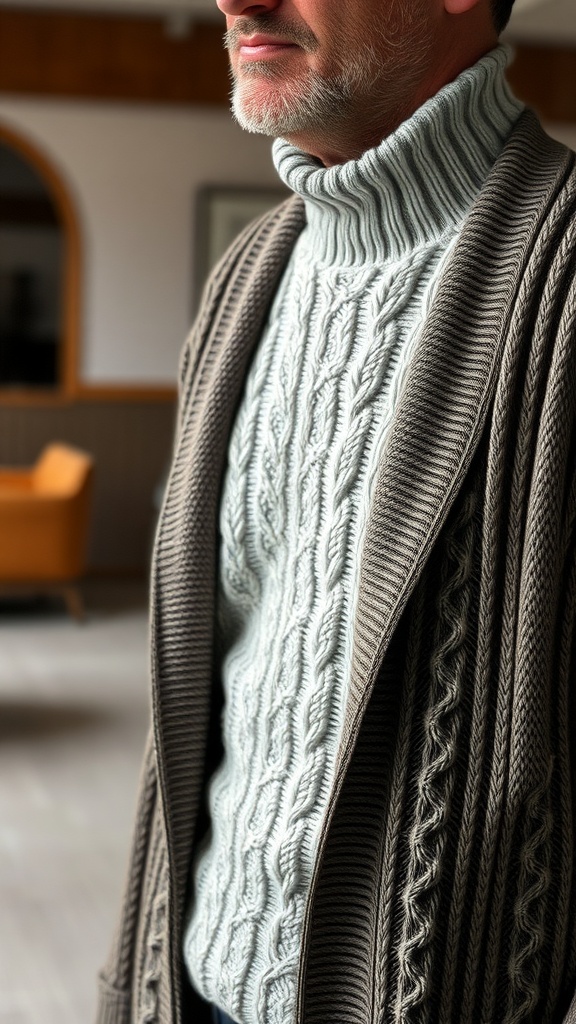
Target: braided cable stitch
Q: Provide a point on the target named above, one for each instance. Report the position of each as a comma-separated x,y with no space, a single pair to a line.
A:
435,781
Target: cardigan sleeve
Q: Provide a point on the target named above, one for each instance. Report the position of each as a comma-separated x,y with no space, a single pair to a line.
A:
115,980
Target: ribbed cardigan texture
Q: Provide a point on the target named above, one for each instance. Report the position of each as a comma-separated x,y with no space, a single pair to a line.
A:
444,891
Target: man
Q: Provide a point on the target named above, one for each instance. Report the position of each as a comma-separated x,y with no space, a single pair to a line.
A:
364,587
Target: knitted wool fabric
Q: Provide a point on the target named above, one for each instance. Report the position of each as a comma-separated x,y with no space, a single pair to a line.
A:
303,454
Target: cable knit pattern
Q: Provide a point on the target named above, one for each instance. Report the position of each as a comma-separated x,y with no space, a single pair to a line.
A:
436,777
304,452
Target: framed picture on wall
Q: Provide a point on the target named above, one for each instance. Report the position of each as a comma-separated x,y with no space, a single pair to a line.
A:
221,213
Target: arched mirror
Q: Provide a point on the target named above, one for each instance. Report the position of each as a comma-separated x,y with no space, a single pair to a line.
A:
35,249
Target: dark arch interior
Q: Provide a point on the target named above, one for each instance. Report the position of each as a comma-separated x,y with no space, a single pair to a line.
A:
31,276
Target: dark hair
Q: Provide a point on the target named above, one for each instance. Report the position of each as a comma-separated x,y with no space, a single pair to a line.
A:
501,11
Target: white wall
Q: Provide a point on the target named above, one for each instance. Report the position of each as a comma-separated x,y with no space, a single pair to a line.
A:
134,172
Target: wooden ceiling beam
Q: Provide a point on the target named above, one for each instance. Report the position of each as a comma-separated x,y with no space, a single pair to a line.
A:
110,57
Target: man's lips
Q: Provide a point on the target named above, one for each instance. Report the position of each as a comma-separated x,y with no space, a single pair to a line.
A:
260,46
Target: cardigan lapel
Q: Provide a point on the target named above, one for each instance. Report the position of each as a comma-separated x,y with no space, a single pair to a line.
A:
446,398
185,564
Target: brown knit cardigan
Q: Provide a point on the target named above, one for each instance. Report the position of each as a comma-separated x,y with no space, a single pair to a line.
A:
444,891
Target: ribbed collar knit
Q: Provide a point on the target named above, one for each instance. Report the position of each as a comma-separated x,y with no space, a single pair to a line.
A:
418,183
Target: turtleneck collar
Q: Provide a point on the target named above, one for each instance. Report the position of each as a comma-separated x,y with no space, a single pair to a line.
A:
418,184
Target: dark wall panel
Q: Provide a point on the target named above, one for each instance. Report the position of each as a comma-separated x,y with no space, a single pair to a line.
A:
108,56
545,78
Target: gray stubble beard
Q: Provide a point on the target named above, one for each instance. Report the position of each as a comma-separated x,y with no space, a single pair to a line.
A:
320,106
291,107
316,104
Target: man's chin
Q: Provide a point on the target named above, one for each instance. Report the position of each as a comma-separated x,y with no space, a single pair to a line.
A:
263,110
286,109
258,118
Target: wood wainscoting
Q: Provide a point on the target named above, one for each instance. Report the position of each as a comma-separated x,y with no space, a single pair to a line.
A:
131,442
106,56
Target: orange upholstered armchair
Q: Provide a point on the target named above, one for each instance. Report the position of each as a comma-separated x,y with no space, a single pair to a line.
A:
44,518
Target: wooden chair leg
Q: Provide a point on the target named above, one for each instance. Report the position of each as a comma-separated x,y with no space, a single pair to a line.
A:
74,603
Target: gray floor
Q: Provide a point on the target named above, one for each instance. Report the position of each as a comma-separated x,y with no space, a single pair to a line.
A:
73,716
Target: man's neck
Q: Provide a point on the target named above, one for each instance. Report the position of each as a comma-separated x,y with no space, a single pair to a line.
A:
359,133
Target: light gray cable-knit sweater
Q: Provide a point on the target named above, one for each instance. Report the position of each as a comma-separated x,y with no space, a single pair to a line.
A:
303,455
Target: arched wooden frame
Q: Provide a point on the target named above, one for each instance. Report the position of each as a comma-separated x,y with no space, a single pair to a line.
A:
69,348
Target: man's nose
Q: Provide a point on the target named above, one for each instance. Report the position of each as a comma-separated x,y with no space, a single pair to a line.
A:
246,8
